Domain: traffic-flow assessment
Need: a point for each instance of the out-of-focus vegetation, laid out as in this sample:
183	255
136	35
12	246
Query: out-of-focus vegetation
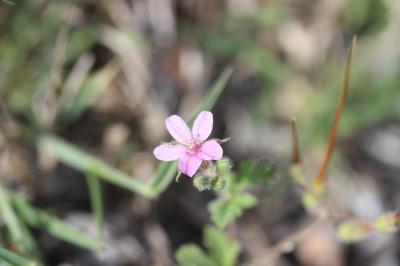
85	87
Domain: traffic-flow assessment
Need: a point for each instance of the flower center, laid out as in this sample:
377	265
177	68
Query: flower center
194	146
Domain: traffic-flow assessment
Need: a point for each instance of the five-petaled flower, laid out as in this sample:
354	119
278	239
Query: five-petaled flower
192	147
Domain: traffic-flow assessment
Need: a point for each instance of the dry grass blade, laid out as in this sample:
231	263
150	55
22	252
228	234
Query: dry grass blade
296	156
320	178
45	103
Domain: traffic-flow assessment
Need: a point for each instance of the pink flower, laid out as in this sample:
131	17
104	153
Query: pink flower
192	146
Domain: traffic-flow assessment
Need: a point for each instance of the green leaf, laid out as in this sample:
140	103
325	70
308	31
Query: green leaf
96	201
19	234
251	173
81	39
223	250
42	220
78	159
224	212
245	200
212	96
15	259
192	255
165	173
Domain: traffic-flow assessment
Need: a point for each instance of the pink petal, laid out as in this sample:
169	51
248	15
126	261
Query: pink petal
178	129
202	126
210	150
188	164
169	152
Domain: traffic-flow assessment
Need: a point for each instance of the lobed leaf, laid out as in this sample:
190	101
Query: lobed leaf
251	173
192	255
223	250
224	212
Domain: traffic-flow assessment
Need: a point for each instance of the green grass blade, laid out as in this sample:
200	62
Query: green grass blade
14	259
78	159
213	94
9	2
5	263
20	235
54	226
96	201
165	173
10	219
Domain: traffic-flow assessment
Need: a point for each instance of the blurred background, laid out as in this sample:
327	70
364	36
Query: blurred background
104	75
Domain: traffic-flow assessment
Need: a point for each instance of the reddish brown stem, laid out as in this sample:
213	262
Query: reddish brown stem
320	178
296	156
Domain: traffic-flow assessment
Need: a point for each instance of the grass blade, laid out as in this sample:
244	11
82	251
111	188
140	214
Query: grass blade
96	201
9	2
213	94
19	234
42	220
15	259
165	172
78	159
10	219
320	178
